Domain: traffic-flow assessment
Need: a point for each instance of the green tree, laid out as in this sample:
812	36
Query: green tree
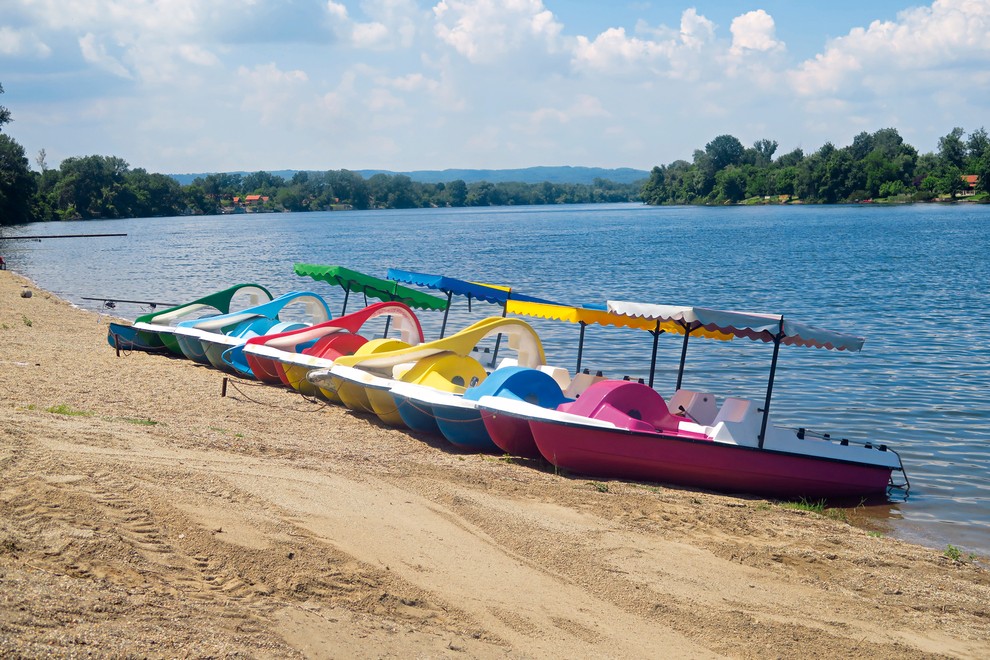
730	184
17	184
198	202
150	195
978	144
222	185
5	117
261	183
457	192
765	150
952	149
90	187
791	158
655	190
723	151
482	193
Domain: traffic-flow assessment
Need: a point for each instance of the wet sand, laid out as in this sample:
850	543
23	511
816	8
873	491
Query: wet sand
142	514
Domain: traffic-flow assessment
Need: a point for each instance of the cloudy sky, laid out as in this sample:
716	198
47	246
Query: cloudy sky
220	85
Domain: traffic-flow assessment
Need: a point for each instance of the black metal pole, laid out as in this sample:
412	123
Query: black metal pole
773	372
680	370
347	294
580	347
132	302
498	339
40	236
446	310
388	322
653	360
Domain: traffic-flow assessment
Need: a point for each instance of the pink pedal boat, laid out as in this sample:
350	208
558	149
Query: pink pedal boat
626	430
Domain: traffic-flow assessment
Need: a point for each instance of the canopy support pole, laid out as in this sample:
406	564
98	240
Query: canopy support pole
388	322
773	372
680	370
498	339
580	348
653	360
446	310
347	294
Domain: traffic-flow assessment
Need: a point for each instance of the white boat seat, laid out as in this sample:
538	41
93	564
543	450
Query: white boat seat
701	407
738	421
560	375
580	383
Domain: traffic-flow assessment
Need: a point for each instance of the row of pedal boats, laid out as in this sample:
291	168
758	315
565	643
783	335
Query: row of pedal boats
517	404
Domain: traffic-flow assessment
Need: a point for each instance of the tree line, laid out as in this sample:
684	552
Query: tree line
876	166
91	187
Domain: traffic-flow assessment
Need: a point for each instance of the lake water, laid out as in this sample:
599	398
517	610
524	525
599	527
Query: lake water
913	280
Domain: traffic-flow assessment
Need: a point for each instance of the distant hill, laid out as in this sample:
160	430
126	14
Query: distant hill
561	174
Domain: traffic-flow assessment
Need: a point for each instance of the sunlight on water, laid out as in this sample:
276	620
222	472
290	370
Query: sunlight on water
912	280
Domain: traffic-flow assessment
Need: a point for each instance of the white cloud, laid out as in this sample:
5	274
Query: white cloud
337	10
380	100
369	35
275	95
584	106
676	54
485	31
392	25
197	55
754	31
951	39
16	42
414	82
94	52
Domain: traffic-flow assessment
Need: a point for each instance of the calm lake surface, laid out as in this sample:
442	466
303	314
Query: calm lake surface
913	280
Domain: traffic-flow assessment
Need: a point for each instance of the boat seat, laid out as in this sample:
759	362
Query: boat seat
738	421
699	407
580	383
507	362
560	375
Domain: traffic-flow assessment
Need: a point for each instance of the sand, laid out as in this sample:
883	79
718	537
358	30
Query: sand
143	514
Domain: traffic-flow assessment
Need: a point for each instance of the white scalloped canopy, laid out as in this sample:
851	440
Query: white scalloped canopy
756	326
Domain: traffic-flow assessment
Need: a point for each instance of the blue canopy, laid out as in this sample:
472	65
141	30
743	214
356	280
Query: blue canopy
492	293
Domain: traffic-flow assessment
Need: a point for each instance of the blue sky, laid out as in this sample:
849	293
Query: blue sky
221	85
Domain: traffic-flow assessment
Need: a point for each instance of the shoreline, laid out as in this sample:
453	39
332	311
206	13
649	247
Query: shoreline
144	514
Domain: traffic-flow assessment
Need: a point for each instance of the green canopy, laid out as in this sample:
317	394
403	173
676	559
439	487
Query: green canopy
374	287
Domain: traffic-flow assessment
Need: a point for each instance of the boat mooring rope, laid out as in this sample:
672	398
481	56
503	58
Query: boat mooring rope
118	341
237	384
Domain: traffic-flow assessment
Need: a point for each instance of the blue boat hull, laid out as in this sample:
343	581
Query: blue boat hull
464	428
417	416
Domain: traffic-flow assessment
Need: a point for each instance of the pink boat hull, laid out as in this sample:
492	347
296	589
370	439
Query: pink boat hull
510	434
642	456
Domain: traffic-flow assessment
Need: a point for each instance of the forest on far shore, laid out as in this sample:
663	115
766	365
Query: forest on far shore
877	166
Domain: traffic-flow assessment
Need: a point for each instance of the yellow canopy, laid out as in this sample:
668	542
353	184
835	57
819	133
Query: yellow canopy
588	316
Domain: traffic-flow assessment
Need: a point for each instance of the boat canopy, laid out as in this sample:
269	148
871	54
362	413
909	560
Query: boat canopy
374	287
762	327
220	301
769	328
491	293
601	315
597	315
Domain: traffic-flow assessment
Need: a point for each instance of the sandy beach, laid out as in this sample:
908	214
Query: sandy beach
143	514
